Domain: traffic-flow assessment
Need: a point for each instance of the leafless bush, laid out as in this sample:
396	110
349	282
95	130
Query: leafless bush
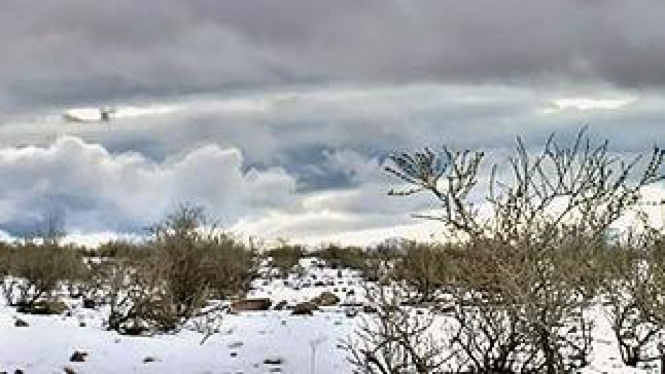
395	339
511	312
199	259
184	265
284	257
423	267
338	256
209	322
35	271
634	299
520	299
137	298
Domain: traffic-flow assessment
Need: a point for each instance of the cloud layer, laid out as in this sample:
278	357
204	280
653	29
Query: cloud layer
73	51
277	116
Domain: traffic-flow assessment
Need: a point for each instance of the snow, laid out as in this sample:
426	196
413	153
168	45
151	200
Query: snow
46	346
300	344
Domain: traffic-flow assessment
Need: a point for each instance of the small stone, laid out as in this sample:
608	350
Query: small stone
235	345
304	309
368	309
89	303
247	305
326	298
281	305
273	361
78	356
21	323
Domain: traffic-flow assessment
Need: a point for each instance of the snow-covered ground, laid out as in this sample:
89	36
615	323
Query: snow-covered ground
245	343
271	341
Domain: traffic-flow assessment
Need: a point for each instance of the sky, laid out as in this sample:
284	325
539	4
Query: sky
277	117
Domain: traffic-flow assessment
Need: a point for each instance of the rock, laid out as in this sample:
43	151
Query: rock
235	345
444	309
304	309
133	328
45	307
351	312
149	359
89	303
245	305
281	305
368	309
69	370
21	323
78	356
273	361
326	299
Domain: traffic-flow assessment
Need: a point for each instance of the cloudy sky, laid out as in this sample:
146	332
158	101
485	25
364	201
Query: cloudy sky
277	116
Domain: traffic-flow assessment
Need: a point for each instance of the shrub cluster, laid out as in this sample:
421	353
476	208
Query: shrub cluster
518	283
151	286
284	257
33	273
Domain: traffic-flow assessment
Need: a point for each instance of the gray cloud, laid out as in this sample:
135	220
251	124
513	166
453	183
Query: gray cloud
303	131
75	51
278	115
294	163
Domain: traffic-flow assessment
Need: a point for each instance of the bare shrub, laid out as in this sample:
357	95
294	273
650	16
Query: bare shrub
284	257
395	339
209	322
232	265
184	264
634	299
198	260
519	299
423	268
135	295
37	271
337	256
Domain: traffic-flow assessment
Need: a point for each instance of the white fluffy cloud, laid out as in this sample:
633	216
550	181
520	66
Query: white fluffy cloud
93	189
96	191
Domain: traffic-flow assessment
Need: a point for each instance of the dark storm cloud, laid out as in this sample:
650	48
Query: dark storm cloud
74	51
